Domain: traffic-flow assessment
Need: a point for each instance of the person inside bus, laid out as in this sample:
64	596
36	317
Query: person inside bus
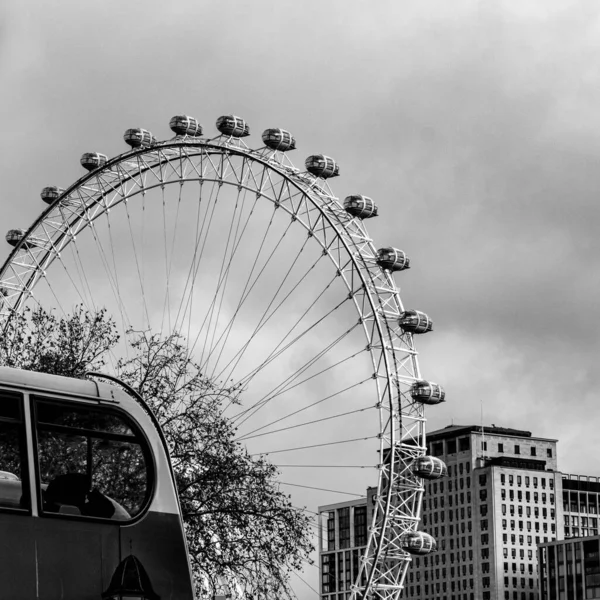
71	489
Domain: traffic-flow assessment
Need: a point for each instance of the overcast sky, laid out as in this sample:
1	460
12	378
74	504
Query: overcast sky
474	125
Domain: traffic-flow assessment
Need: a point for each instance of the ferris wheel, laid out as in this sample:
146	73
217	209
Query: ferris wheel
277	288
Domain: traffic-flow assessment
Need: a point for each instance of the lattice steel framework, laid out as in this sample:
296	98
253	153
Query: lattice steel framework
309	202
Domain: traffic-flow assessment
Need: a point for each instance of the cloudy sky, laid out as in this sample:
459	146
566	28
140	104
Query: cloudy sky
474	125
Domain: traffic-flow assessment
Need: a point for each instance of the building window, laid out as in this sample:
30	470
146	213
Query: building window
464	444
14	493
502	478
484	445
331	531
517	449
500	447
533	451
344	527
549	452
451	446
360	526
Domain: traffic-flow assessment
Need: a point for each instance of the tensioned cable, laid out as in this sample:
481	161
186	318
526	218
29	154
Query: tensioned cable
276	352
246	224
237	239
102	254
339	415
224	277
112	248
260	324
280	393
310	487
246	292
306	582
221	286
327	466
264	400
212	199
372	437
137	262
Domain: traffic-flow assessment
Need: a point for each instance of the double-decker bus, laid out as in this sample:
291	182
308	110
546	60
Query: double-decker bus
88	503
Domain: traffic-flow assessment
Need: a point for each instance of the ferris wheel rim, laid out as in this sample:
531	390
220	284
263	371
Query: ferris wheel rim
309	192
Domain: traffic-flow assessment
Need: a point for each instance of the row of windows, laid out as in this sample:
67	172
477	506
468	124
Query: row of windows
344	537
429	560
89	461
515	582
521	567
535	499
451	485
519	479
462	444
513	553
416	591
577	532
528	511
443	573
520	497
581	502
442	587
340	570
459	499
536	525
517	449
521	542
459	513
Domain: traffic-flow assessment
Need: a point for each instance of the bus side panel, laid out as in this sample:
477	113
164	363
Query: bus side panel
76	559
17	557
158	541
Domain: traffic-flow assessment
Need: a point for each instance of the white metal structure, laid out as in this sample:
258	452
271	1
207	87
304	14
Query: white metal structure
275	286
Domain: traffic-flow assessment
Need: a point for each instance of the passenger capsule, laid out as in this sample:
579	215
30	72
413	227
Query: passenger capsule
232	125
51	193
417	542
392	259
279	139
137	138
322	166
429	467
359	206
93	160
415	321
427	392
14	236
184	125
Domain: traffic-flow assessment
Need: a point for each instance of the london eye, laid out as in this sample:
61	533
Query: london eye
278	290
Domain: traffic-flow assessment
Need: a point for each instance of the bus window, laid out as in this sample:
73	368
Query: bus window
92	462
13	463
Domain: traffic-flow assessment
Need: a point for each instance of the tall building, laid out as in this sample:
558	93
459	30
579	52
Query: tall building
497	503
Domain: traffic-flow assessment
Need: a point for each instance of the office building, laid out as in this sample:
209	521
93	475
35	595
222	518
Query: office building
343	539
570	569
498	502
